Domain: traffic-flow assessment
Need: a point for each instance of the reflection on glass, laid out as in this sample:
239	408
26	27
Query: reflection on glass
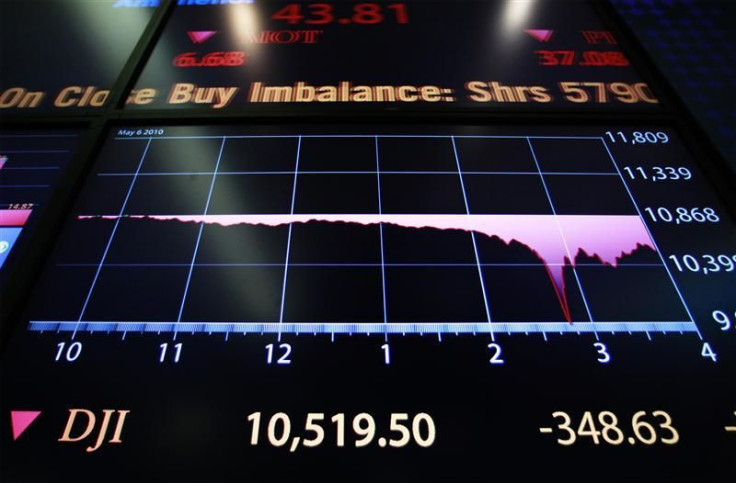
515	15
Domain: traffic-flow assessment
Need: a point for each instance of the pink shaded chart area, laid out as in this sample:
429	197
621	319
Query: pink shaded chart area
556	240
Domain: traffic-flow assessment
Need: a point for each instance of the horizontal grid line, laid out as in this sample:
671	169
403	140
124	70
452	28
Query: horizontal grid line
378	264
145	216
357	136
291	173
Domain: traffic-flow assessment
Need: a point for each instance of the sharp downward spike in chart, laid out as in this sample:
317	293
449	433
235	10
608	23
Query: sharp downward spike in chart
556	240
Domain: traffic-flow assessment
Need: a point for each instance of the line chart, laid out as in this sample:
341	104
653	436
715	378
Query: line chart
361	234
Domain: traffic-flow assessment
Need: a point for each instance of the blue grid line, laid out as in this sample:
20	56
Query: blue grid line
380	230
288	240
453	173
309	136
112	236
388	264
199	235
472	236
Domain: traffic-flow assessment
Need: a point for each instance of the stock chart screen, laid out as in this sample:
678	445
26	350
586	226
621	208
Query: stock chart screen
64	55
512	54
382	302
32	163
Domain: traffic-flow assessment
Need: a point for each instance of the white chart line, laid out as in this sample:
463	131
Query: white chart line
288	241
199	235
472	235
380	230
109	241
294	136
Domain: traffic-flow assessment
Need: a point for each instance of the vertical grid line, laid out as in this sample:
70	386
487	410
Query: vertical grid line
564	240
288	241
472	236
641	218
380	228
199	235
112	236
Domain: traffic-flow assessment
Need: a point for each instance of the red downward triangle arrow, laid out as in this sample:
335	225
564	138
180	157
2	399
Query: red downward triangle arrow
541	35
199	36
20	420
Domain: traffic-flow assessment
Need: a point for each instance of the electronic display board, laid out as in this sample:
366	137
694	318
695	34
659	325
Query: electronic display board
31	165
511	54
64	55
382	302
